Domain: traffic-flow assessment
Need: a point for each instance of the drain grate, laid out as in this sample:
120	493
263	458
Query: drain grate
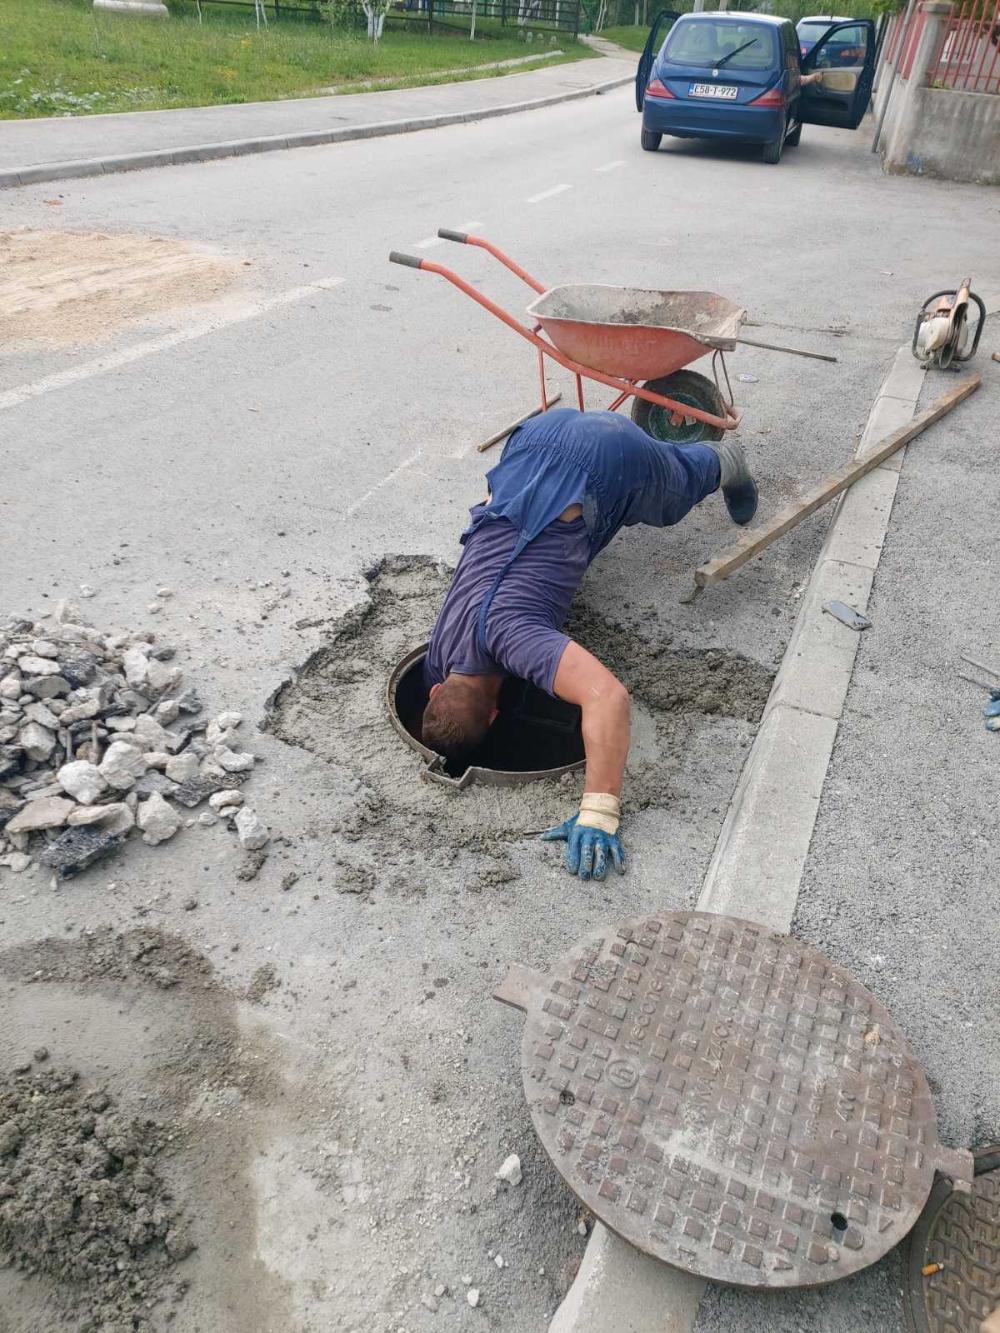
961	1233
728	1100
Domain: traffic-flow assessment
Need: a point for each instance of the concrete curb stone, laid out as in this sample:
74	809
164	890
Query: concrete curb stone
165	157
758	861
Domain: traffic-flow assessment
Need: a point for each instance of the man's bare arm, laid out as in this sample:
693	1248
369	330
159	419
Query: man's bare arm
604	701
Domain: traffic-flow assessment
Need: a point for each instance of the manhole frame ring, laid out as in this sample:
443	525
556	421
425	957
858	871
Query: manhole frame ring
433	770
914	1249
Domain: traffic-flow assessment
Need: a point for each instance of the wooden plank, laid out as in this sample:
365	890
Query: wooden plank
721	566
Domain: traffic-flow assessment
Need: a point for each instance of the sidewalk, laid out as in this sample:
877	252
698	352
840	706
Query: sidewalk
899	885
58	147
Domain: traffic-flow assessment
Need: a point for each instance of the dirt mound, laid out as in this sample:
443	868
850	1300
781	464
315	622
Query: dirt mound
143	955
81	1200
335	707
77	287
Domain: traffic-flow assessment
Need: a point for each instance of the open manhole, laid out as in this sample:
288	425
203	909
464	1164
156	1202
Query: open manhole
729	1100
953	1264
534	736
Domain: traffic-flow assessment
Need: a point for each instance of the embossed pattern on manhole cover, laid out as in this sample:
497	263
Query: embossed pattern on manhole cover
728	1100
958	1237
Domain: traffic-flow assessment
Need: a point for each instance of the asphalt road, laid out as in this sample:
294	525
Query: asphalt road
326	418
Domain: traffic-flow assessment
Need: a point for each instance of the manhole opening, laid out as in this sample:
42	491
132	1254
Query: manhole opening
533	734
838	1221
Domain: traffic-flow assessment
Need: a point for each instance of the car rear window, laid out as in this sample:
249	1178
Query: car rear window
707	42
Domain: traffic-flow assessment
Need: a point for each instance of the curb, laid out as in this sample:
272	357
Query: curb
170	157
762	848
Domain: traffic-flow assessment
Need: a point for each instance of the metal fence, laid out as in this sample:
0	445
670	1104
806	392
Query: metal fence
970	58
492	16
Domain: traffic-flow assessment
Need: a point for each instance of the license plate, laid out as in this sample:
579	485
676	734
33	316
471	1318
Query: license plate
726	91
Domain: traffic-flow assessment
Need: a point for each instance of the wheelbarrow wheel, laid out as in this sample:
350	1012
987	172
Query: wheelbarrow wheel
684	386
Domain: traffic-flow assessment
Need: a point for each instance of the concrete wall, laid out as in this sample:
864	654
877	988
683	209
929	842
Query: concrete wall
937	132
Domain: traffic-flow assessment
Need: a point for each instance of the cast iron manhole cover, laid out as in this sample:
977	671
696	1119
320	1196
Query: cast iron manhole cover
728	1100
953	1278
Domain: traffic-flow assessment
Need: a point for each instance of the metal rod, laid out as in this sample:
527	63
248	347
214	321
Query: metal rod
509	429
981	666
795	351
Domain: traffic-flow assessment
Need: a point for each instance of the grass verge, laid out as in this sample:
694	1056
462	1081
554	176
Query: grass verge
63	58
629	35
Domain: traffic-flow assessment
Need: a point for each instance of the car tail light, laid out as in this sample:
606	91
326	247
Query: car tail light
773	97
658	89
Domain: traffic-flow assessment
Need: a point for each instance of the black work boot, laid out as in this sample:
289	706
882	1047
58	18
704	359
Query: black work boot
739	490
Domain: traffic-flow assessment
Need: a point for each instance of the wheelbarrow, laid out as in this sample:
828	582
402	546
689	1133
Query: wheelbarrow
635	341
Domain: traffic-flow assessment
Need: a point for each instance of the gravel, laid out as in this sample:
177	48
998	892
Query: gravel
87	741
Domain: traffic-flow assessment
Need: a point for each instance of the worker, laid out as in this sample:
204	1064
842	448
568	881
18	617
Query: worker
566	482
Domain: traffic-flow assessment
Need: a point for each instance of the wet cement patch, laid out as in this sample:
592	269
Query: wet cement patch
335	707
129	1171
82	1200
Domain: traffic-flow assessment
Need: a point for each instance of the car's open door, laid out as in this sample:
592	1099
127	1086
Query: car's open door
845	59
657	33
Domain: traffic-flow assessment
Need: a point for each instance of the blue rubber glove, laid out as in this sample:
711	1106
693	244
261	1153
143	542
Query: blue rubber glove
587	849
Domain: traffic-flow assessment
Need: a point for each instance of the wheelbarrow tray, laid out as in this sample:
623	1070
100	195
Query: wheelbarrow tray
635	333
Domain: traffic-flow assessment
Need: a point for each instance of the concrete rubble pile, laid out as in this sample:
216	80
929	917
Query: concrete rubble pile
99	740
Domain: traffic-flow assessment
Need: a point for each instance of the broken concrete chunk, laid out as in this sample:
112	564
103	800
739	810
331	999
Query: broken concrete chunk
233	761
115	818
158	820
222	800
78	848
152	781
510	1170
229	721
250	829
122	765
180	767
10	687
16	861
37	666
44	648
36	741
189	702
216	735
157	759
80	712
135	663
150	735
166	711
82	780
160	677
47	687
48	812
40	713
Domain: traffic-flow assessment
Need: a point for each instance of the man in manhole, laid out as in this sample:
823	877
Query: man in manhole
566	483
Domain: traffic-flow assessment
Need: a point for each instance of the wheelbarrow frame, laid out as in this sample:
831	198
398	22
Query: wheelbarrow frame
545	348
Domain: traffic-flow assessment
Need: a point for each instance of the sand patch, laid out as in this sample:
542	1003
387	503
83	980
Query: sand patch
67	287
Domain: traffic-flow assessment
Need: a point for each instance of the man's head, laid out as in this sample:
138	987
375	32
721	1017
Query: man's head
458	714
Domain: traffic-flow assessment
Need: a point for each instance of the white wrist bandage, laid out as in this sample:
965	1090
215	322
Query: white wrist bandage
601	810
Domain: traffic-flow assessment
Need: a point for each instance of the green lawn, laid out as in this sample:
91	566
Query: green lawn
628	35
60	57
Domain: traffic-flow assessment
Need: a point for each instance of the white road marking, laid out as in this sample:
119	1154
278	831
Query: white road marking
547	194
407	462
430	241
127	355
610	166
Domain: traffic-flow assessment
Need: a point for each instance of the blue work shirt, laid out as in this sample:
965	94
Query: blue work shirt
605	463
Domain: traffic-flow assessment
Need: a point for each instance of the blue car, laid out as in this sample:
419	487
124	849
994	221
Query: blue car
739	77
